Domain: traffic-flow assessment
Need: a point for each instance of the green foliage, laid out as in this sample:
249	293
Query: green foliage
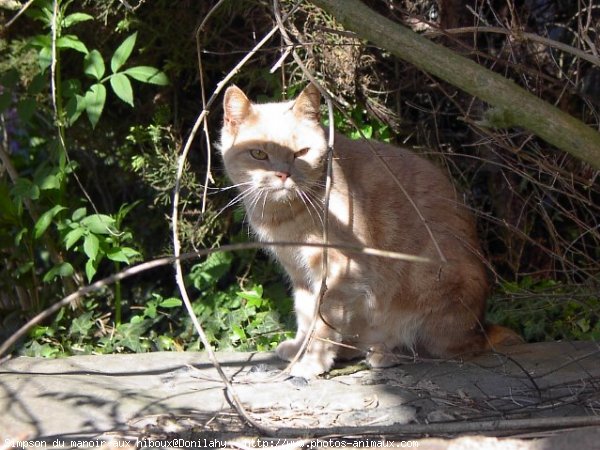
547	310
233	318
361	125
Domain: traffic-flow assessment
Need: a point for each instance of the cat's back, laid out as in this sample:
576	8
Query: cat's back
359	165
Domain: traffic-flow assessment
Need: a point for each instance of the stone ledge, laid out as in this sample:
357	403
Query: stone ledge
148	394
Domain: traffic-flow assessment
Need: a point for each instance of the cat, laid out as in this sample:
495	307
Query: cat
276	155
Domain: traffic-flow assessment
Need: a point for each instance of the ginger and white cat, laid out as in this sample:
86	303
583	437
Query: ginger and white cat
275	153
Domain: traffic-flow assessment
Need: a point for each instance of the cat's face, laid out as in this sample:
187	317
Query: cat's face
274	152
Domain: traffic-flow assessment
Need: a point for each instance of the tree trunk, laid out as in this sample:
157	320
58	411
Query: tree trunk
512	105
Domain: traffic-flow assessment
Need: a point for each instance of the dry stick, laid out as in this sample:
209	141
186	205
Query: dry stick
446	427
142	267
519	35
328	185
231	395
230	392
208	176
21	11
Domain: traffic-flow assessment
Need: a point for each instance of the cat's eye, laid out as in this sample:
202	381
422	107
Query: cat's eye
301	153
258	154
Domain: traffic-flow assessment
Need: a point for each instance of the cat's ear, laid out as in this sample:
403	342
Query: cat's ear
236	107
308	103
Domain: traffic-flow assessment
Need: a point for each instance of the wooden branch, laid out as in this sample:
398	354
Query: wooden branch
515	105
456	427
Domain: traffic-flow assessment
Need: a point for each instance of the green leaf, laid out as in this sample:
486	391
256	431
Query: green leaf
71	41
90	269
91	245
62	270
49	181
41	41
82	324
99	223
75	107
75	18
44	58
79	214
94	102
117	255
93	65
122	53
73	236
147	74
171	302
122	87
45	220
24	188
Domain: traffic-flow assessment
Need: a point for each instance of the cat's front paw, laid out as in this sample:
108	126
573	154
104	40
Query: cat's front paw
288	349
309	368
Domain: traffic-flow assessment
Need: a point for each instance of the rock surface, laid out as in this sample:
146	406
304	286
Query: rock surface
526	390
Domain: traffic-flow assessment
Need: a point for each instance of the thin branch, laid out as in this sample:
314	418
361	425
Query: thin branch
328	186
519	35
21	11
544	423
232	396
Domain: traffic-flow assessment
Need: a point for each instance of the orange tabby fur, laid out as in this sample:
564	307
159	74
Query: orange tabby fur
275	153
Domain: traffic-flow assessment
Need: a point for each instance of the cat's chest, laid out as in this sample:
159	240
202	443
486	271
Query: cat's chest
302	263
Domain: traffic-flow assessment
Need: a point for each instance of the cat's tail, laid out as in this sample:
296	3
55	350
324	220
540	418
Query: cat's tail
499	336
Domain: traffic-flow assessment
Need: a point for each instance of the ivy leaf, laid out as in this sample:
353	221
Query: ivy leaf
122	87
91	245
73	42
75	18
93	65
45	220
122	53
94	102
147	74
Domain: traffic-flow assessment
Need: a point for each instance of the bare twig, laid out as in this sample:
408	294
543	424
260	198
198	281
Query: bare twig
21	11
543	423
328	186
519	35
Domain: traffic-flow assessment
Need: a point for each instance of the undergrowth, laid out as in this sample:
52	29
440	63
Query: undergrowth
88	168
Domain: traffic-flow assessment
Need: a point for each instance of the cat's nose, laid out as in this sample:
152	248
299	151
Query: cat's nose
282	175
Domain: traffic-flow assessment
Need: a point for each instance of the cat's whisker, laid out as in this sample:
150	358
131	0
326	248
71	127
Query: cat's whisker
254	201
238	198
309	203
228	188
264	204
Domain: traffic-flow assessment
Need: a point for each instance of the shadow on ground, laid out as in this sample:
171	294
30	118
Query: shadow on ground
530	390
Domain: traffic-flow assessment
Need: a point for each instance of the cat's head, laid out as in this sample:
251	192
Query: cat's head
278	149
